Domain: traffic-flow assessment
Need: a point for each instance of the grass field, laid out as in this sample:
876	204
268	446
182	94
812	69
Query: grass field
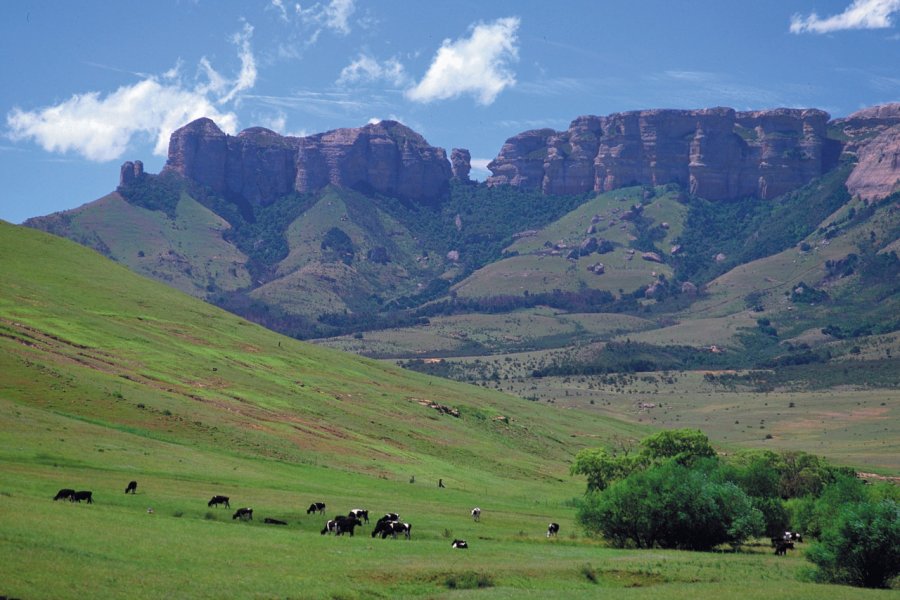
106	377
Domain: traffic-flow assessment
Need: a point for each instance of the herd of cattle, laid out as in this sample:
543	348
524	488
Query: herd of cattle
388	525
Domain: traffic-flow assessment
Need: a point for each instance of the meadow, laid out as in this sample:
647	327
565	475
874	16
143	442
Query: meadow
106	377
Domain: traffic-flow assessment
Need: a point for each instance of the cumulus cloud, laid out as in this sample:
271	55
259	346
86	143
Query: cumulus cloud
476	65
861	14
101	128
366	68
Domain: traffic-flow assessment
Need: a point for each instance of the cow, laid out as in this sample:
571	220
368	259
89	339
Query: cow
389	517
316	507
552	529
244	514
460	545
476	514
345	525
85	495
392	528
782	548
132	487
330	524
360	514
64	494
217	500
270	521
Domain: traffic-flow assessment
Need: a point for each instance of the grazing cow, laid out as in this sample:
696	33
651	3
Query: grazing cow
217	500
389	517
460	544
330	524
64	494
552	529
360	514
132	487
244	514
273	521
344	525
79	496
392	528
476	514
782	548
316	507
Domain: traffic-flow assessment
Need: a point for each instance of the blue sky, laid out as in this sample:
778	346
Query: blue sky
86	85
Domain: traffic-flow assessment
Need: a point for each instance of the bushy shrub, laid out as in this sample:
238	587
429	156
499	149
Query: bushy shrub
671	506
861	546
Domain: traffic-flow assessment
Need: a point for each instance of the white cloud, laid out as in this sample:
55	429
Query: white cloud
365	68
861	14
480	172
101	128
477	65
337	15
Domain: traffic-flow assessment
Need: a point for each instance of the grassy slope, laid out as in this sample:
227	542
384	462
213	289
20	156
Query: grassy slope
107	377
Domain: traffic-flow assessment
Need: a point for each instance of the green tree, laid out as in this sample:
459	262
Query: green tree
601	468
671	506
862	546
683	445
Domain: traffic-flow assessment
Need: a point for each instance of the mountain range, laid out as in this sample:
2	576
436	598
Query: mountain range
660	216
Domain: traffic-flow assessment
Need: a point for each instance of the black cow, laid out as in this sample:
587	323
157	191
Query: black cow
132	487
360	514
782	548
244	514
273	521
85	495
217	500
316	507
64	494
342	525
552	529
460	544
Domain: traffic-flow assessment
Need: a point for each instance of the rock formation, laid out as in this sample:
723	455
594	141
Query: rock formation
873	135
717	152
258	165
460	163
130	172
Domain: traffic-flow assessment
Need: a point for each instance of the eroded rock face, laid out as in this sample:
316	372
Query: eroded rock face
460	163
877	174
717	152
873	136
258	165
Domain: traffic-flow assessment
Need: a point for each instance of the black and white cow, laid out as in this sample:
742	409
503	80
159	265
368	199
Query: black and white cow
476	514
217	500
271	521
64	494
85	495
460	545
244	514
132	487
392	528
330	524
316	507
552	529
361	514
389	517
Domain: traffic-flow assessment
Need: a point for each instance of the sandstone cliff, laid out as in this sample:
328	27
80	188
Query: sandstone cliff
258	165
873	136
718	153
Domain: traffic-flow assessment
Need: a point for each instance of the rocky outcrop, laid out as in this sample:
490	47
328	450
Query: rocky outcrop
873	136
718	153
130	172
460	163
258	165
877	172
